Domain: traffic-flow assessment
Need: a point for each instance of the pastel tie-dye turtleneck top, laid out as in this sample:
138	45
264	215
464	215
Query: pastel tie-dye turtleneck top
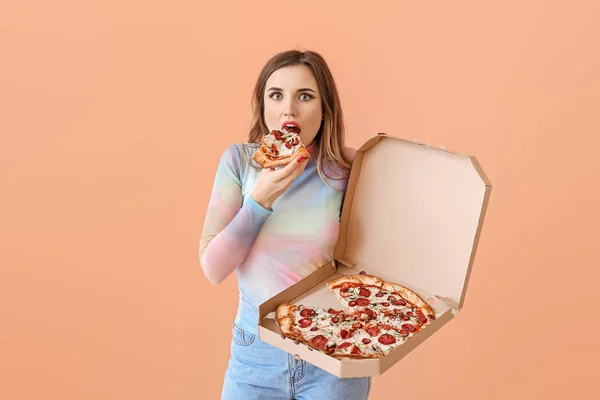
269	249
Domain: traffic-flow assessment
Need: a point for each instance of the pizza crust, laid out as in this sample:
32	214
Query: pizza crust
266	162
352	280
285	319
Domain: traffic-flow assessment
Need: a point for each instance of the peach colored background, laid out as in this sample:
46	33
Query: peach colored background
113	116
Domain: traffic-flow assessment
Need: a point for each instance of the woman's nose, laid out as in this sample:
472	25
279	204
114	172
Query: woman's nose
289	108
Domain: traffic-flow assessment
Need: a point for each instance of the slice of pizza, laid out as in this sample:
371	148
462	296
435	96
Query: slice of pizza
378	338
313	326
279	147
355	292
371	297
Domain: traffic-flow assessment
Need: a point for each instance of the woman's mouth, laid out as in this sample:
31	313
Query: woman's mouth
291	126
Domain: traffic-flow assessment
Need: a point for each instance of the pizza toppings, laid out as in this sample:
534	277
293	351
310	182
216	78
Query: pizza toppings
305	322
362	302
373	331
386	339
279	147
307	312
319	341
369	312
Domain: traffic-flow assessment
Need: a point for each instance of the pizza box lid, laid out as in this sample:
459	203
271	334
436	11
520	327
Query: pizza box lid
413	213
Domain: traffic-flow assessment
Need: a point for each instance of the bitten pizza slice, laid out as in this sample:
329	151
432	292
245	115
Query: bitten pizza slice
280	147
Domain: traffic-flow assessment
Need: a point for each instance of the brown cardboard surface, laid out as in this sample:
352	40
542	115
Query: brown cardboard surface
412	215
318	294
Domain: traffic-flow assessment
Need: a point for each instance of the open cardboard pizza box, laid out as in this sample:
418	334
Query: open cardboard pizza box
412	215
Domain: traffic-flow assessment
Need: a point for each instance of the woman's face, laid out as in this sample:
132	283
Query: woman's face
292	95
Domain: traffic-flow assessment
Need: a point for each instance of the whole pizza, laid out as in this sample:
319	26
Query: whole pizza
375	317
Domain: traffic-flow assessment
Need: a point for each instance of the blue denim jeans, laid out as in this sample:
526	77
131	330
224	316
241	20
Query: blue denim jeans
257	370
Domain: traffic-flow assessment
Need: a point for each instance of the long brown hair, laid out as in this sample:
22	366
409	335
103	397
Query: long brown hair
330	139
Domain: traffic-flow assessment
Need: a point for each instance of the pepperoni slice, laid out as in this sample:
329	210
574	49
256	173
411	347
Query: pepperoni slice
409	327
410	314
386	304
362	302
386	339
314	328
364	292
380	294
373	331
355	350
386	326
405	318
351	303
402	302
366	340
345	292
344	334
392	299
344	345
422	318
305	322
277	134
335	320
307	312
369	312
403	332
356	325
397	311
332	311
319	341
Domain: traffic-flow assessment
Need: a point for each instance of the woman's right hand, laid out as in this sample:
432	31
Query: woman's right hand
272	183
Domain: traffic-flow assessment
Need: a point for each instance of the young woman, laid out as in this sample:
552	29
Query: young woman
276	226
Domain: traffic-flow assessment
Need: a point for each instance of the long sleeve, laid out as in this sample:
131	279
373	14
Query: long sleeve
231	225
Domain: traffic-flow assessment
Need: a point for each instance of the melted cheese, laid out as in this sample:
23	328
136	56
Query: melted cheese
270	140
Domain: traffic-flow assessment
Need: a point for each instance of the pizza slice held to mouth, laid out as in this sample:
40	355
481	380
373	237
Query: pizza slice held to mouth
280	147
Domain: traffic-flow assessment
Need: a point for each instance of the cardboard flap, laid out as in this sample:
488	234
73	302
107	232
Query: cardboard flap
414	212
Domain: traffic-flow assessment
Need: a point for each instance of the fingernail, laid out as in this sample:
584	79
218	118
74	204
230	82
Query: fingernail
299	159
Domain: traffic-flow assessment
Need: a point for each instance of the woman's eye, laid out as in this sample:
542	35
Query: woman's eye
275	94
306	98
